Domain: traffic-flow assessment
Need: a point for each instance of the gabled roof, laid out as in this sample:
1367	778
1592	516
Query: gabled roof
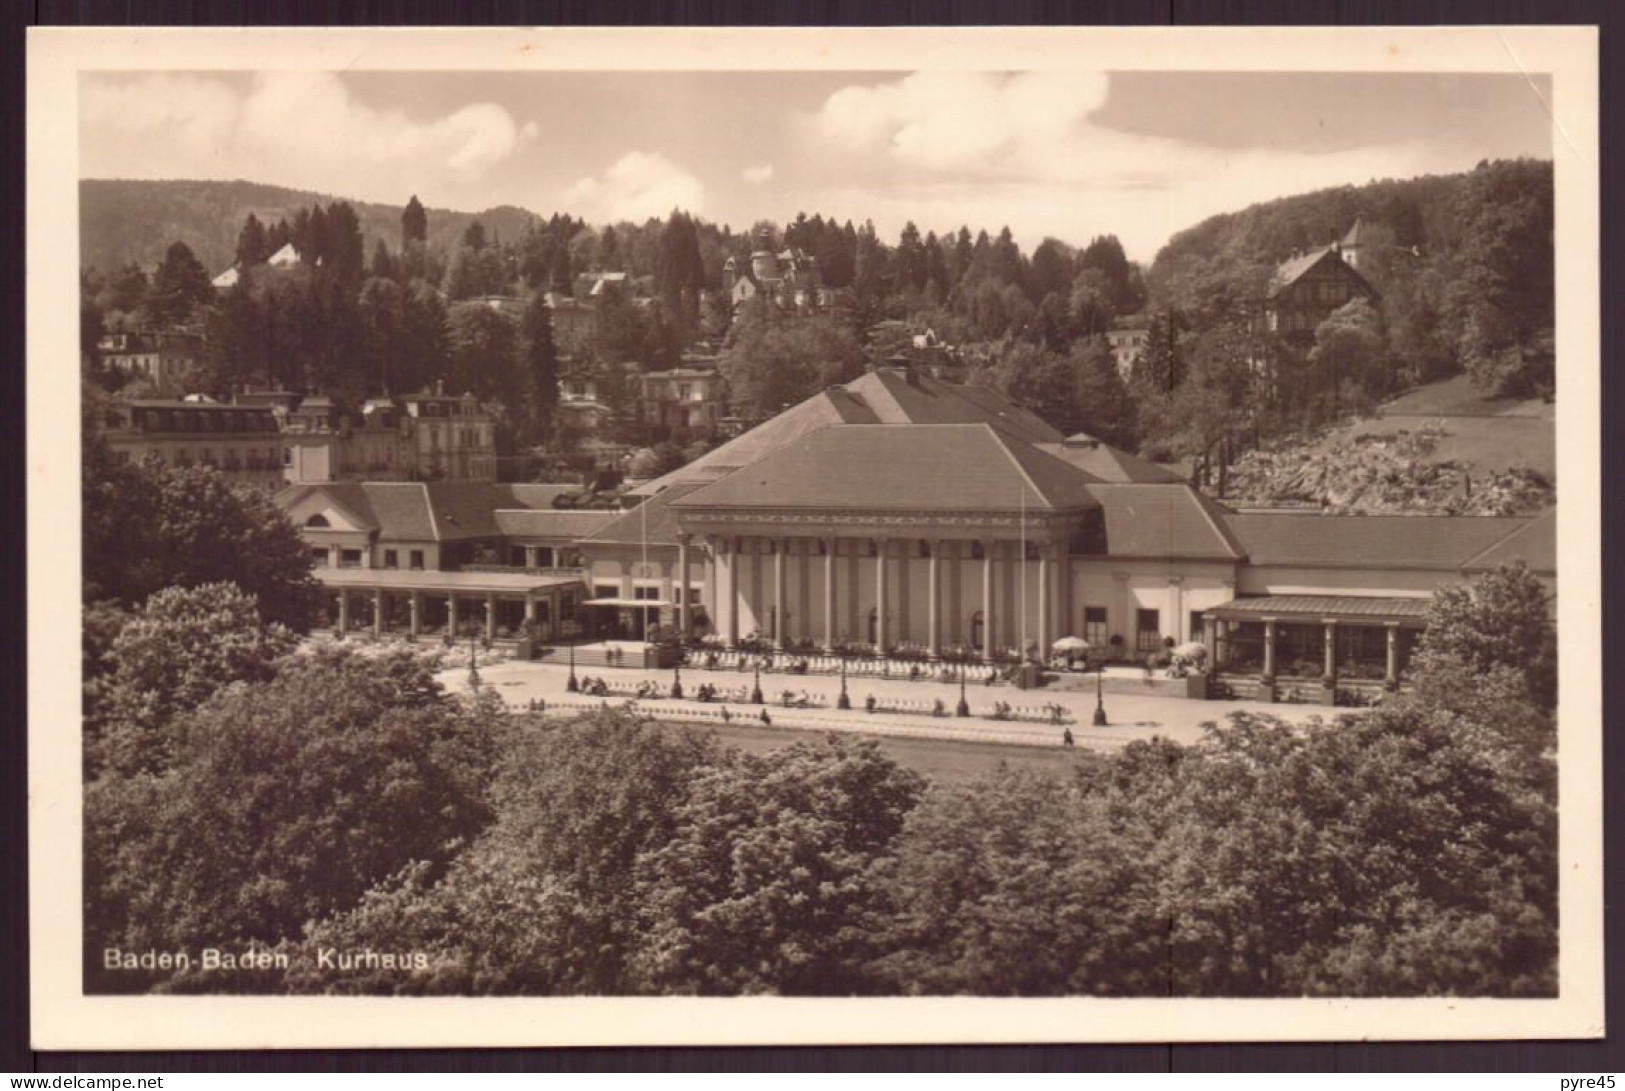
435	511
1352	238
652	521
1321	607
552	523
917	398
1292	270
285	256
887	468
831	406
1427	542
1164	521
227	279
1534	543
886	396
1110	464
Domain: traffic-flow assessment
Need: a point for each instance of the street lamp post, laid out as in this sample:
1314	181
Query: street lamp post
677	682
756	687
473	665
569	630
843	702
964	705
1100	700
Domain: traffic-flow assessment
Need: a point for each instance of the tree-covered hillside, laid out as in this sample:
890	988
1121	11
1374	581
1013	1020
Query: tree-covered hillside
135	221
1464	263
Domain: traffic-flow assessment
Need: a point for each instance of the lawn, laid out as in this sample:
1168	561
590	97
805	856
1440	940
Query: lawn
943	761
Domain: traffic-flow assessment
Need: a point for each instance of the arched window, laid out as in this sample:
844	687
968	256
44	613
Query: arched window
317	520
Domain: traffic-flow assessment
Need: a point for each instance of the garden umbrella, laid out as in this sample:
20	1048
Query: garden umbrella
1070	644
1192	649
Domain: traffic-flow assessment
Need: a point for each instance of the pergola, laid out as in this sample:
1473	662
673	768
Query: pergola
424	592
1340	624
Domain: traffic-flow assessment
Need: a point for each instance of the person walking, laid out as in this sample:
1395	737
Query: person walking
1066	738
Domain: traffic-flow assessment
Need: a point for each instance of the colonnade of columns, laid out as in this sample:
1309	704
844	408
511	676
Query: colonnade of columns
1222	637
891	568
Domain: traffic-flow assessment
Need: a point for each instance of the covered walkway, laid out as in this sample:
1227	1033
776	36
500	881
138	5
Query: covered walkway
1333	638
415	603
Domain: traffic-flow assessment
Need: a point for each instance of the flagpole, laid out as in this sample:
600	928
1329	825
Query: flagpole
1021	652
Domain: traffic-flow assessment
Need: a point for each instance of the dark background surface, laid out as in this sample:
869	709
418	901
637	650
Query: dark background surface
1585	1058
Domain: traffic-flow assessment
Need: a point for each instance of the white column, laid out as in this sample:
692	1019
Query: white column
682	584
414	625
880	595
490	617
1391	674
781	631
1045	587
530	607
933	593
1176	603
451	615
344	612
1331	651
378	613
831	630
733	592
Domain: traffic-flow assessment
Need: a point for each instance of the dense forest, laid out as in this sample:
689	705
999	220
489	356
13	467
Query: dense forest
123	221
1463	267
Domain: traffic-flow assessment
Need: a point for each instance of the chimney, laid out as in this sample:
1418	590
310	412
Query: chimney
900	365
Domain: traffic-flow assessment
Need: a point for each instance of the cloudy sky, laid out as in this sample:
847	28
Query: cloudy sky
1072	155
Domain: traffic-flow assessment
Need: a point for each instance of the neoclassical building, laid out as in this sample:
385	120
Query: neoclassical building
899	511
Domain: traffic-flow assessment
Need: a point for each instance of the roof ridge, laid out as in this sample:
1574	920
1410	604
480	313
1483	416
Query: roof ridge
1205	504
1524	523
1004	445
428	503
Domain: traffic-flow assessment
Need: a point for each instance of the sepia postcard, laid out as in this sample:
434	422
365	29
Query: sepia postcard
577	537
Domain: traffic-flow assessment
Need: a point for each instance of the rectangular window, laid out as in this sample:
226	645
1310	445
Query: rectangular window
1094	626
646	594
417	560
694	596
349	558
606	590
1198	628
318	557
567	606
391	559
1148	630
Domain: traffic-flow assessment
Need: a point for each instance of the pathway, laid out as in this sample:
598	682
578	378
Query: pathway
1130	716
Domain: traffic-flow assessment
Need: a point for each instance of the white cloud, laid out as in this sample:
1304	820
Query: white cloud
757	175
637	186
946	148
960	119
296	128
